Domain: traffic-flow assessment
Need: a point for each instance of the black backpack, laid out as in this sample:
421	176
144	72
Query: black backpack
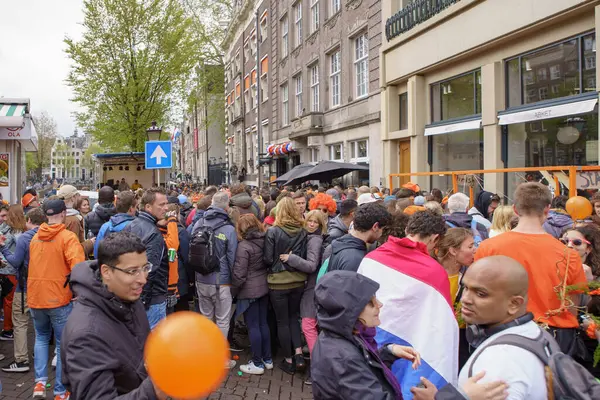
203	257
567	379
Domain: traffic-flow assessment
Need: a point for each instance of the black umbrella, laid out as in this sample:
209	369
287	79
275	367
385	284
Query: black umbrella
293	173
326	171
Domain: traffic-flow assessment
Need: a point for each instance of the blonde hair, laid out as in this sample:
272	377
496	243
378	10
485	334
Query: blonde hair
287	213
320	217
434	207
502	217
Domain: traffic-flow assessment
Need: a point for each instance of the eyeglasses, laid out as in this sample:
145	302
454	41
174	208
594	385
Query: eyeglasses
574	242
135	271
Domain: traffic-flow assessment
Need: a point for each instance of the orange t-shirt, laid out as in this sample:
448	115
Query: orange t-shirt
545	259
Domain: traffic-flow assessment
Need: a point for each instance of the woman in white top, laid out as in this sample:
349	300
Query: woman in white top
501	220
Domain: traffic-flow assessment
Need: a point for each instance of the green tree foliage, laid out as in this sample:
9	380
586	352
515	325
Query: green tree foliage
133	63
45	127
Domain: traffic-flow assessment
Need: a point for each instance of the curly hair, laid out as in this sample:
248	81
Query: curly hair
426	223
397	227
322	199
591	233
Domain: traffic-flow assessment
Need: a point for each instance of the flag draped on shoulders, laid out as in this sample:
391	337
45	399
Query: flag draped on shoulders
417	311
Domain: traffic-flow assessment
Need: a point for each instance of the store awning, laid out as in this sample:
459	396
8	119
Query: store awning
12	114
442	129
576	106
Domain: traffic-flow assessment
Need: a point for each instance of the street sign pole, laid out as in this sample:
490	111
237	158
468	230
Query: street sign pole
158	155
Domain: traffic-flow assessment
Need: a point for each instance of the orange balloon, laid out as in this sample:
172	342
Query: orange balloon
185	355
579	207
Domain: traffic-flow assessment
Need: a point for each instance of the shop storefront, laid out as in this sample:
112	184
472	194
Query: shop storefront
17	136
455	138
552	114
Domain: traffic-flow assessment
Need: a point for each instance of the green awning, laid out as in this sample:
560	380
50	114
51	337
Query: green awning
11	114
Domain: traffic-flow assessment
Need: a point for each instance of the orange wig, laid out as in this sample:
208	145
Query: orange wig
322	199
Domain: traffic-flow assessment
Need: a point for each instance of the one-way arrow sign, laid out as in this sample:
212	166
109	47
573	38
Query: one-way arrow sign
158	154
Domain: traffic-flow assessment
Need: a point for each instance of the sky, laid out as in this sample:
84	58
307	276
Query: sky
33	63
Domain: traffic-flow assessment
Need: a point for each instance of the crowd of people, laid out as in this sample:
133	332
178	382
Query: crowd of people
366	292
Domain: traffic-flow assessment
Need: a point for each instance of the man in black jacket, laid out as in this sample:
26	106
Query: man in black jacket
103	340
339	226
104	210
153	208
347	252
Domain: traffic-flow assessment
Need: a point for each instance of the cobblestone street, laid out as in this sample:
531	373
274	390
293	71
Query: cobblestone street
273	385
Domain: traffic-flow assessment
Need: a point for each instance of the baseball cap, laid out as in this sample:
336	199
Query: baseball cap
366	198
66	192
54	207
412	186
27	199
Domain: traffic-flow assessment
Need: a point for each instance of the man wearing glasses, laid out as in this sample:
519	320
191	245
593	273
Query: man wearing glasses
104	338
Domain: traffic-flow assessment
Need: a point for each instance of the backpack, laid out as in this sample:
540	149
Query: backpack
568	380
323	269
476	235
203	257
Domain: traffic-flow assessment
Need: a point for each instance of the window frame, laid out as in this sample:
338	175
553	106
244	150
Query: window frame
354	147
314	16
519	57
298	24
298	95
332	151
314	88
285	105
361	65
336	6
285	37
402	119
476	78
335	75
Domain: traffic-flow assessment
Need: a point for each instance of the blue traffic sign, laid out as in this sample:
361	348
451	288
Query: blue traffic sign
159	154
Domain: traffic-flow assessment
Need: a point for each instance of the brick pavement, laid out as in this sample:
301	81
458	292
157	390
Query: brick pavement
273	385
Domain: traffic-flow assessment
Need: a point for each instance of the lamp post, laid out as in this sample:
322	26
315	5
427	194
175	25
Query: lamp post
153	134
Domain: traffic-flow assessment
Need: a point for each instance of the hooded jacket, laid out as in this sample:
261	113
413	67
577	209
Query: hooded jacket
74	223
53	253
336	229
10	243
279	241
342	367
117	223
244	203
103	340
463	220
98	217
185	209
480	209
249	271
345	253
557	222
197	215
226	245
155	291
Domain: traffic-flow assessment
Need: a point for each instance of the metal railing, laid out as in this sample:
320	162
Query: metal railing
413	14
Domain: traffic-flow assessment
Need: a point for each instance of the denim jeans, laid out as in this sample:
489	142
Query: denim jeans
44	321
156	313
258	330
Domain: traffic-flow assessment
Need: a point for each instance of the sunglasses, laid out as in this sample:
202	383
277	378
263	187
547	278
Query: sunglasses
574	242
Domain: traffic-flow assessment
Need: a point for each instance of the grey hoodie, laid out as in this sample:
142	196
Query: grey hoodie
336	229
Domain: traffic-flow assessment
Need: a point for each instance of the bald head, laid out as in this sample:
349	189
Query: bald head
495	291
505	272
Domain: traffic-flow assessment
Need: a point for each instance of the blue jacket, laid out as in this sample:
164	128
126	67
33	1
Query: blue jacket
226	245
116	223
20	258
183	253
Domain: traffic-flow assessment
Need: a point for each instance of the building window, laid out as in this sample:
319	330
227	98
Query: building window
314	15
263	27
570	62
361	65
284	37
314	88
336	152
541	74
359	151
335	6
335	79
299	109
403	111
314	154
298	23
554	72
285	109
264	88
236	63
247	104
247	51
456	97
253	43
253	89
456	151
